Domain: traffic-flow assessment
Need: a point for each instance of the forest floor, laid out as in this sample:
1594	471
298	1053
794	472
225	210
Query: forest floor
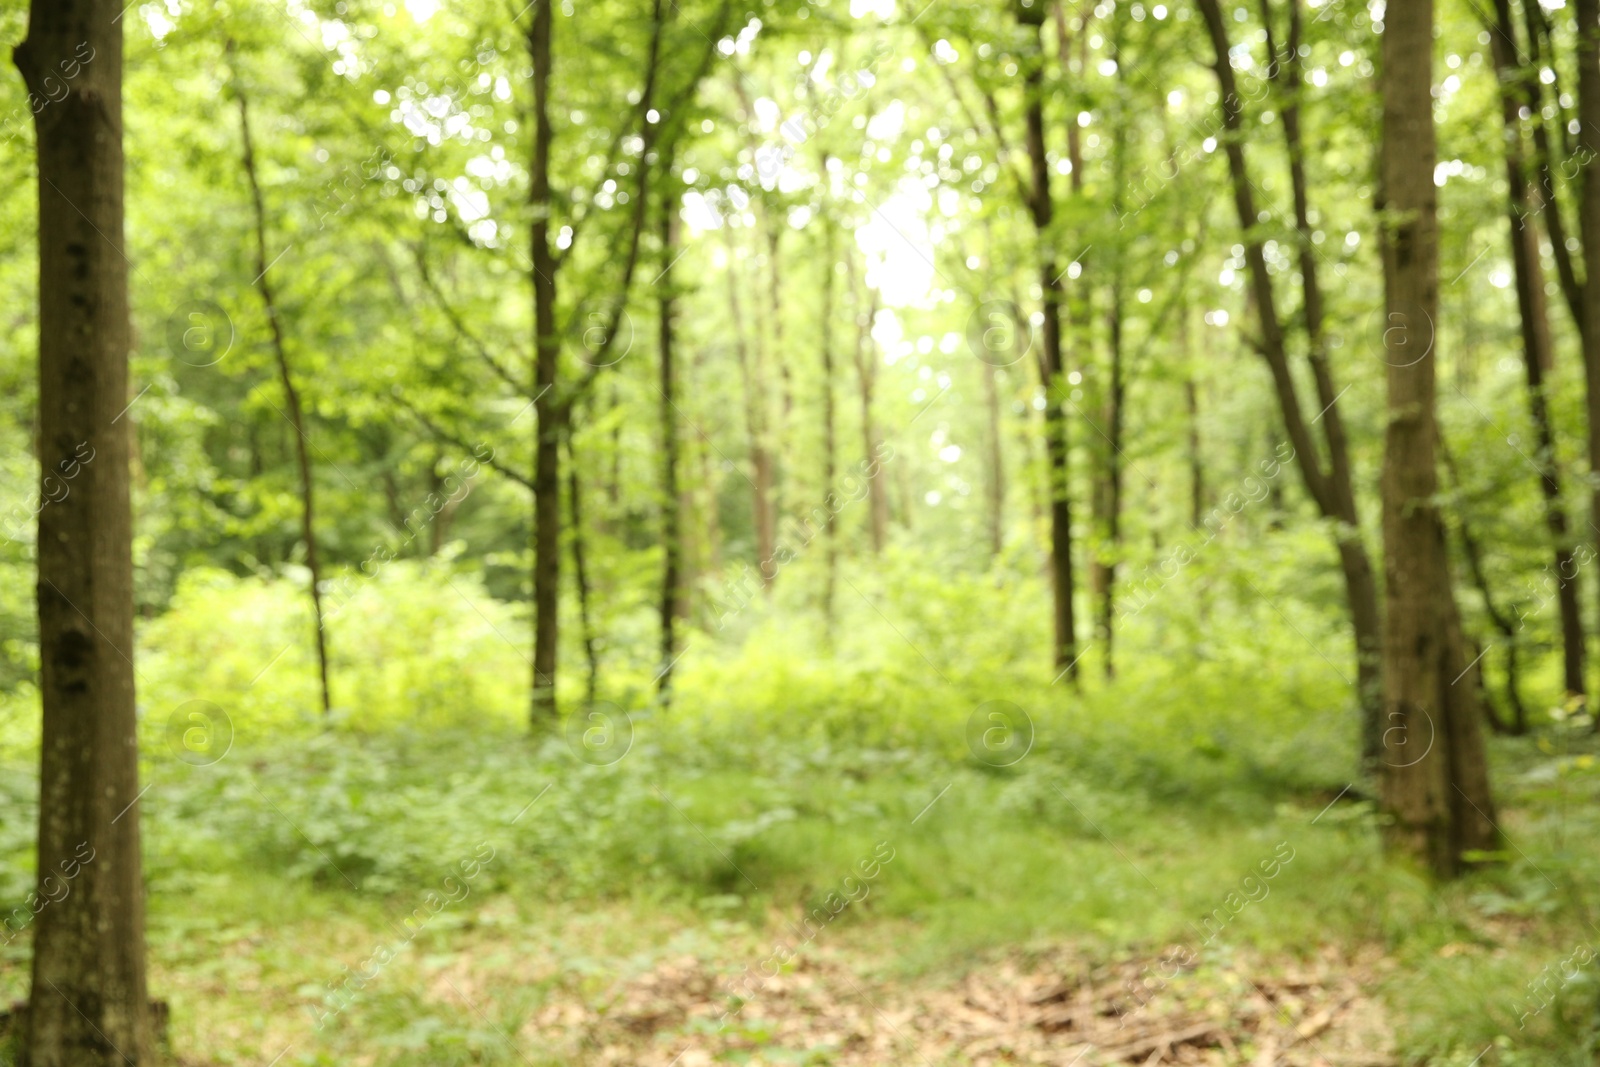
670	1003
756	900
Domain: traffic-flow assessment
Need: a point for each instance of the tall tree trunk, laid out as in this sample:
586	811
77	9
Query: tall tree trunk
1536	346
1042	209
1533	91
755	407
1434	782
580	571
1588	154
1331	489
547	404
866	360
308	529
89	1005
774	229
1191	404
1111	528
996	482
671	542
1507	626
1360	583
829	443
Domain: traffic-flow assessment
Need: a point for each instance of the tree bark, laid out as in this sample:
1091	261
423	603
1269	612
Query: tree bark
1544	157
89	1005
996	482
1588	156
1536	345
580	572
1111	476
1191	405
829	442
755	407
866	361
1507	626
1041	207
1331	490
546	404
1115	394
1434	782
671	518
302	442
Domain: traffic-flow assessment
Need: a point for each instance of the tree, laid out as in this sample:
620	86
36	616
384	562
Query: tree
671	503
1331	487
829	432
1041	207
1536	345
546	404
291	395
1588	159
1438	800
88	1002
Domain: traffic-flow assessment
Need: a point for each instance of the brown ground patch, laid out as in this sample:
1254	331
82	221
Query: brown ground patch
1058	1010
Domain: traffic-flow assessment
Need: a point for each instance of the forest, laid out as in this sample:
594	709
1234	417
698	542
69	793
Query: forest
799	532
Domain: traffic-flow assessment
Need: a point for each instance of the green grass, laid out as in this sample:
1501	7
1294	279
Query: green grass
1140	808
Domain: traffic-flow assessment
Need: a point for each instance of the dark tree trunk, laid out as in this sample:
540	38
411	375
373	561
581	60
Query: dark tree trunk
614	475
302	442
1332	490
866	360
1588	17
1111	476
1536	347
547	403
1111	530
755	408
829	443
1434	782
580	572
1544	157
996	482
775	309
1507	626
1042	209
89	1005
671	519
1191	404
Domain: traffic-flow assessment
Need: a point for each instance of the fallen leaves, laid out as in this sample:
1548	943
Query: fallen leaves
1058	1010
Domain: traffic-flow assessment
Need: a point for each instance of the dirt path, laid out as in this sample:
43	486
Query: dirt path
1059	1010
